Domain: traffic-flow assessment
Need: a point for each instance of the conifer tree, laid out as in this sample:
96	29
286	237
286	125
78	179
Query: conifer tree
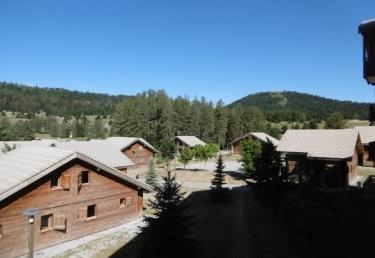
151	177
167	233
219	180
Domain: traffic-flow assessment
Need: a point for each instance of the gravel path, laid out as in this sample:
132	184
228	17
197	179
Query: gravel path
230	166
94	244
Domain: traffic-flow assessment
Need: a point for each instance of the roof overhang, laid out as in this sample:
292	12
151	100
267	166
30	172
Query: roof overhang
148	146
66	160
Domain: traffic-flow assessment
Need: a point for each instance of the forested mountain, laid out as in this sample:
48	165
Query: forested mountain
294	106
158	118
60	102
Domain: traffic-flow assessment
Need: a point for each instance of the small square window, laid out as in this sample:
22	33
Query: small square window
91	211
46	222
1	231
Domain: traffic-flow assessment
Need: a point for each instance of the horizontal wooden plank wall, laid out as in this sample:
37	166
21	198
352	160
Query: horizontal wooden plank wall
139	154
102	190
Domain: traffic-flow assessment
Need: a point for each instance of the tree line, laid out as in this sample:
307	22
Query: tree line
155	116
59	102
152	115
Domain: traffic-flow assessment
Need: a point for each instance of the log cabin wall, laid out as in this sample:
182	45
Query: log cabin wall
236	148
139	154
67	204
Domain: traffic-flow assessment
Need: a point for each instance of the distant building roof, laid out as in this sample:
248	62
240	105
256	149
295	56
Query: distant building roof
191	141
333	144
260	136
122	143
367	133
98	150
26	164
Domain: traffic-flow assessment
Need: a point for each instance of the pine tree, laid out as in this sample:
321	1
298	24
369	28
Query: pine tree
221	123
151	177
167	233
219	180
270	176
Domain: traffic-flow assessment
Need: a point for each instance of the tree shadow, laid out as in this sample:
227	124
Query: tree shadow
212	224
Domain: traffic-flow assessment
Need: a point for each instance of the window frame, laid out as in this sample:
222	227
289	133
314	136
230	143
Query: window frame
1	231
58	181
88	211
49	222
87	173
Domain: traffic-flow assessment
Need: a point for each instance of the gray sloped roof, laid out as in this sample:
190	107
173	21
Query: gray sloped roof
122	143
367	133
191	141
260	136
334	144
98	150
26	164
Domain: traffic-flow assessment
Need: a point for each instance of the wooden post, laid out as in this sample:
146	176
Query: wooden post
30	214
30	236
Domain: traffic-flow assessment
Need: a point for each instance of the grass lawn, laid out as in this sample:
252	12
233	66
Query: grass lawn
366	171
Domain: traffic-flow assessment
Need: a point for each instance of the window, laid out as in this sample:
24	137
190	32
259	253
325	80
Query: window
83	178
46	222
54	181
1	231
122	203
91	211
125	202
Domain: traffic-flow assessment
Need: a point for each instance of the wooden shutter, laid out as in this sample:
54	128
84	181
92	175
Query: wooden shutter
59	222
82	213
65	182
128	201
80	180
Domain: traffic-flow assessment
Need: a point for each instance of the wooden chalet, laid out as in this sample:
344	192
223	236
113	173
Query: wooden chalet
331	157
138	150
74	195
97	149
187	141
260	136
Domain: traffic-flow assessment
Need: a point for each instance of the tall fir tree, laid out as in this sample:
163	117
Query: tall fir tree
219	179
167	233
221	123
151	177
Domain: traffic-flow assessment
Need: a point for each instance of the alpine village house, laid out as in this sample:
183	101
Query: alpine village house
73	195
329	157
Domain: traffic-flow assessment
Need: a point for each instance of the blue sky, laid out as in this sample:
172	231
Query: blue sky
217	49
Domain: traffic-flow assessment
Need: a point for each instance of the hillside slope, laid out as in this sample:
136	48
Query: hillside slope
288	105
61	102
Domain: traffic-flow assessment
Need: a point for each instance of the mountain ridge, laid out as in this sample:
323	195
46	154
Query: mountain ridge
277	105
